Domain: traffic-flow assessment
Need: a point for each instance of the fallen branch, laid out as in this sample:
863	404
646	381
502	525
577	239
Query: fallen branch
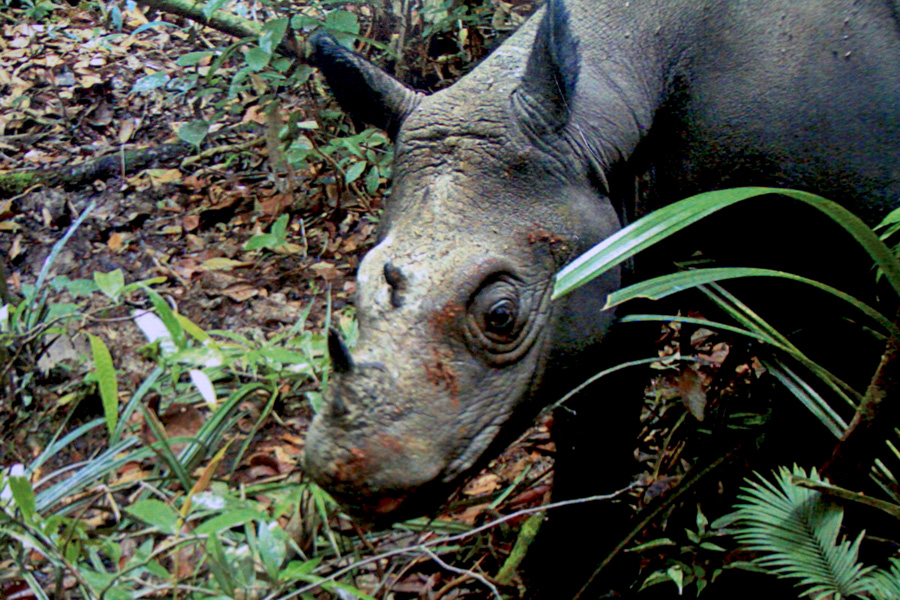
221	20
123	162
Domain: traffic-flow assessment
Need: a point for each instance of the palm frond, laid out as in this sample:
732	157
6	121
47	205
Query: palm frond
885	584
796	530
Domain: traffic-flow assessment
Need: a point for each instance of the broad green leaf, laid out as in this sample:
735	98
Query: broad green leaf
143	283
373	180
193	132
355	170
150	82
106	381
192	58
111	284
228	520
23	496
271	541
156	514
279	227
218	565
195	331
167	316
297	569
677	575
212	6
263	240
151	25
343	25
272	34
257	58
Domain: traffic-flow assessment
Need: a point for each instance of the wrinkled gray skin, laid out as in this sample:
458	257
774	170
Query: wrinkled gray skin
530	160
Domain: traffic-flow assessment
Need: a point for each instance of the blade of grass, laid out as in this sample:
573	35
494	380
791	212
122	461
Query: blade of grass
666	285
666	221
807	396
106	381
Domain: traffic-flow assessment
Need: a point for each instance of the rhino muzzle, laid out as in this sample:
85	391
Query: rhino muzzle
435	378
353	450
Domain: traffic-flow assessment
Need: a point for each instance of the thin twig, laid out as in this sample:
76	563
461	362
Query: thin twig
424	547
464	573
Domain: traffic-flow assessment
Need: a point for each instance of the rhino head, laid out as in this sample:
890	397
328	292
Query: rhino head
460	345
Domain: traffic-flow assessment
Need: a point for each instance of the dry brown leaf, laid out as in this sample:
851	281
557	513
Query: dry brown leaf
275	204
190	222
224	264
242	292
326	270
690	388
484	484
126	130
115	242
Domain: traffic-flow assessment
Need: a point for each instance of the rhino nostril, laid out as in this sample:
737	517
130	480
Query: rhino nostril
397	280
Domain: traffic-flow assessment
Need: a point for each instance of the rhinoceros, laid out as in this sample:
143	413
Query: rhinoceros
531	159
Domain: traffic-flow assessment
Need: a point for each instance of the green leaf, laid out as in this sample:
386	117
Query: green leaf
192	58
655	544
283	355
228	520
677	575
218	565
106	381
167	316
150	82
257	58
212	6
111	284
298	569
263	240
271	541
373	180
343	25
272	34
23	496
279	227
194	132
355	170
156	514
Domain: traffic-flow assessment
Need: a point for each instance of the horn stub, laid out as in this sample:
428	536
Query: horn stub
341	361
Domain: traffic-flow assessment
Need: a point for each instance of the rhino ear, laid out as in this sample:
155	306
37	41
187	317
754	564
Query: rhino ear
543	98
367	93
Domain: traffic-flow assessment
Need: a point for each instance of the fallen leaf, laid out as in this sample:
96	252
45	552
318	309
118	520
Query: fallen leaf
242	292
224	264
326	270
484	484
115	242
190	222
690	389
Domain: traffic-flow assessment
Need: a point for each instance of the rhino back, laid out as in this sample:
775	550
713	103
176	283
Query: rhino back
717	94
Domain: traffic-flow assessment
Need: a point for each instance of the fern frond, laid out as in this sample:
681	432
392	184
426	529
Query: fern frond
796	530
885	585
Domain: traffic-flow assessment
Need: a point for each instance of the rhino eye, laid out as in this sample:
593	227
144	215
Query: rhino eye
494	314
501	318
